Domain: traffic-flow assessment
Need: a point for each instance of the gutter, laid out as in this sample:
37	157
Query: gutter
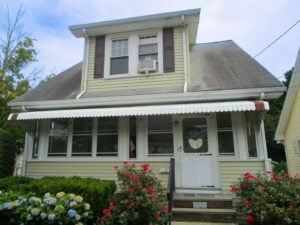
85	62
203	96
184	53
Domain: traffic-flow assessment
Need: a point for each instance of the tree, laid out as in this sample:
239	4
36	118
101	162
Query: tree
276	151
16	53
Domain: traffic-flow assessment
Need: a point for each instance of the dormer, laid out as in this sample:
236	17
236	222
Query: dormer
142	50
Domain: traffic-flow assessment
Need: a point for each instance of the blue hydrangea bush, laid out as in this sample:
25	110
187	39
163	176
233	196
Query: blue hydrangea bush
69	209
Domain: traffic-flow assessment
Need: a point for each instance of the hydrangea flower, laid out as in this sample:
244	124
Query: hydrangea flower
4	205
47	195
72	204
50	201
78	199
77	217
87	206
60	194
29	217
51	216
71	196
43	215
71	213
35	211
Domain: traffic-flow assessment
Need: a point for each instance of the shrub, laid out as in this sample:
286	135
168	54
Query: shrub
59	209
269	198
97	192
140	200
280	167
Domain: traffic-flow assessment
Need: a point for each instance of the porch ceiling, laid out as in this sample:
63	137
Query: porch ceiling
144	110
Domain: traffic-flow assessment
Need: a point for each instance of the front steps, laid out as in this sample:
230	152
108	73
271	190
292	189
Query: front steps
205	209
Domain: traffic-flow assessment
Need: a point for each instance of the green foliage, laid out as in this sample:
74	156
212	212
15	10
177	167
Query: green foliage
29	209
280	167
141	199
269	199
16	53
97	192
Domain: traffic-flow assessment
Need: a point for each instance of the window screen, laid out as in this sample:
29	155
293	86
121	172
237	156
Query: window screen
107	138
58	137
225	135
82	137
119	57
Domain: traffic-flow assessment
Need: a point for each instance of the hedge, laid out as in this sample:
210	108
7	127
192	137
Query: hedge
97	193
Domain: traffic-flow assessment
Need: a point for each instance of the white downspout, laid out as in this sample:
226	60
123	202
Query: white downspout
184	54
85	62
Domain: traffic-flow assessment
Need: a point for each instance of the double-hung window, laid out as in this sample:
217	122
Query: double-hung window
119	57
225	134
82	137
148	53
58	137
160	135
107	140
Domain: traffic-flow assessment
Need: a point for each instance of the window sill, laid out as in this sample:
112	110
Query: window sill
109	77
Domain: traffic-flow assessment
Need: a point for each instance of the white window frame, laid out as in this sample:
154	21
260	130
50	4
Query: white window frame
296	145
133	52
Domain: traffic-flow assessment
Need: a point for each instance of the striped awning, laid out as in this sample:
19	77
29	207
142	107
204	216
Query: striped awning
144	110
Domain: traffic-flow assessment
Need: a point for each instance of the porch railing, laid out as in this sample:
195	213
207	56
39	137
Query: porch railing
171	188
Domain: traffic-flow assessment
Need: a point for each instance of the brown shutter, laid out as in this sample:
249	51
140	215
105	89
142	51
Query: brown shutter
99	57
168	48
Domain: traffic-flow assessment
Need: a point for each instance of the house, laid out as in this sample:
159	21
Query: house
147	92
288	128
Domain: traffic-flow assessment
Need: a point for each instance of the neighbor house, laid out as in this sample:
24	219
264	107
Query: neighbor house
147	92
288	128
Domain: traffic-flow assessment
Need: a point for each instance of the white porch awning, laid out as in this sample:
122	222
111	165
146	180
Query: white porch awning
144	110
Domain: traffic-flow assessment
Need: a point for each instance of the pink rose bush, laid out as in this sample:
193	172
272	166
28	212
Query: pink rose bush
140	200
268	198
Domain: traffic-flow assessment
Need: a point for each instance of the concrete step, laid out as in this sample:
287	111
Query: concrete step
202	203
204	215
200	223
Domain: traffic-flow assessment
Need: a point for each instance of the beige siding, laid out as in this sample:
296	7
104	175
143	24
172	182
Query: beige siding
102	170
232	170
292	134
163	80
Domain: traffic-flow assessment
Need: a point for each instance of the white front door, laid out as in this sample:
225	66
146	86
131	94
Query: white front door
194	154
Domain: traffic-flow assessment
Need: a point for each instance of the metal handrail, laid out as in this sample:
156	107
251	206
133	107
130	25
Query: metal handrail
171	188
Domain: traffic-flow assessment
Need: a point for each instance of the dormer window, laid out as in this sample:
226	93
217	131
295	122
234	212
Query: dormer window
148	54
119	57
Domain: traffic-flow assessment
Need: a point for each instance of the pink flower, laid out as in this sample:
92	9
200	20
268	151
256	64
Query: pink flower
116	167
246	202
151	187
275	177
145	166
133	165
166	209
233	188
286	174
132	203
106	212
248	176
157	216
249	218
125	162
131	190
103	218
126	174
144	190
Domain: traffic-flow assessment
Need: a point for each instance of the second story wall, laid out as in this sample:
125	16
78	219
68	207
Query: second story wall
134	80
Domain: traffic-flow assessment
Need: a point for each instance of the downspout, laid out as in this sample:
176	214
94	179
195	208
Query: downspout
85	62
184	54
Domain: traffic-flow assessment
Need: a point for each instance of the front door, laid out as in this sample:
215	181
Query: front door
195	156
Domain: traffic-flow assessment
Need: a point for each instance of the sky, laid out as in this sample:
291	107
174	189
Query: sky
252	24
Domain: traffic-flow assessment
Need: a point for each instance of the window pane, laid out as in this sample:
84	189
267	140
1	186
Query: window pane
194	135
252	151
57	146
82	145
83	126
148	49
225	135
160	135
119	48
119	65
160	143
132	137
226	145
58	138
35	149
107	145
107	140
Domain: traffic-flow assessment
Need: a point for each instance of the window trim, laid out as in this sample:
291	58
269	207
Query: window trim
133	54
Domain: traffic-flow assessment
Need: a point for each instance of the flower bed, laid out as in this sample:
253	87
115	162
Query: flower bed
269	198
59	209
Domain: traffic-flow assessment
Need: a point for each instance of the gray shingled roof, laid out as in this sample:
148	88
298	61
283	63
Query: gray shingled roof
225	66
65	85
214	66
